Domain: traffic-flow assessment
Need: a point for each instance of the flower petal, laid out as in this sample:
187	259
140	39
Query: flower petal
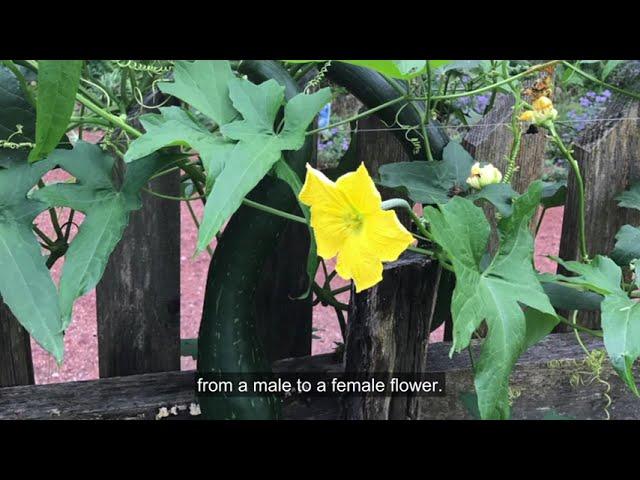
385	235
328	209
319	190
356	261
329	229
360	190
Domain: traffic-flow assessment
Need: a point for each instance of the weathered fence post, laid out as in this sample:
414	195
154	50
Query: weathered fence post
388	332
138	298
608	153
16	365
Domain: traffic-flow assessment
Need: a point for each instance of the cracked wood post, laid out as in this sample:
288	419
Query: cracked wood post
608	154
388	332
138	298
16	365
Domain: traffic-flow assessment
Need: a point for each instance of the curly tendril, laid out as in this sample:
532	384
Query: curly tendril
586	372
315	81
145	67
15	146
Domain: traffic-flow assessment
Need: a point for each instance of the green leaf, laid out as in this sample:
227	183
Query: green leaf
539	325
621	330
554	194
494	295
174	127
609	67
601	276
620	314
284	172
500	195
627	247
630	198
470	402
249	162
430	182
204	84
57	87
106	212
259	147
25	284
15	110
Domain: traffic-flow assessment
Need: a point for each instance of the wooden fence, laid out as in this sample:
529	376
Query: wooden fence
139	306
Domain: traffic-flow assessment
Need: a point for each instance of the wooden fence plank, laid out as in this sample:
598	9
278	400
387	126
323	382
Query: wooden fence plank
138	298
388	331
542	387
16	365
608	154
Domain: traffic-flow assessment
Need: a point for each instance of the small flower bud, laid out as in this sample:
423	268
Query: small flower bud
542	112
483	176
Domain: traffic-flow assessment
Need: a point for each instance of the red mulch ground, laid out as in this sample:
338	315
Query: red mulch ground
81	350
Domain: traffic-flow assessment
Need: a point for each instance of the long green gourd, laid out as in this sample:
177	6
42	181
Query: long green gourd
228	341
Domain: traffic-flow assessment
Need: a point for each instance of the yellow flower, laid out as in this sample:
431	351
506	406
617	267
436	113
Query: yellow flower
542	112
348	221
482	176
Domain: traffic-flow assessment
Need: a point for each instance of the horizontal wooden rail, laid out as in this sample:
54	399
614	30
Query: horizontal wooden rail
538	385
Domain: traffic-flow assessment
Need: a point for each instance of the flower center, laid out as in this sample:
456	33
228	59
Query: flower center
353	221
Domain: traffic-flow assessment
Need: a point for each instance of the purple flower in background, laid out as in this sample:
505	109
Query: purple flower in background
606	93
601	99
329	143
585	102
321	146
591	94
482	101
345	144
334	130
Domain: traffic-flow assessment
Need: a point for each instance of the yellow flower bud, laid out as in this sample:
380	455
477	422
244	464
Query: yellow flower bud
542	112
527	116
483	176
542	103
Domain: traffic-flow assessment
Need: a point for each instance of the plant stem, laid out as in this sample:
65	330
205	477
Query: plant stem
197	224
581	200
486	88
577	327
274	211
424	119
401	203
360	115
23	82
115	120
326	298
